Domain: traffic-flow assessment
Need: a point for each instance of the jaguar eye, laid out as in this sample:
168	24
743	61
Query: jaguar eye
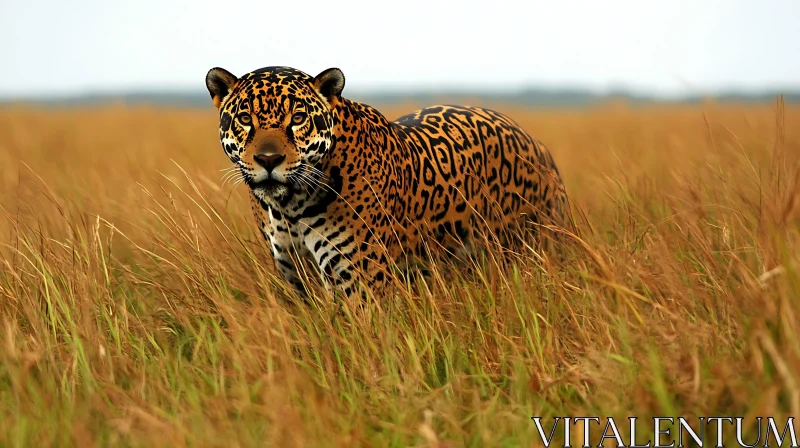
244	118
298	118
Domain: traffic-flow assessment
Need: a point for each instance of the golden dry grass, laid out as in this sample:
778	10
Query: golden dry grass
138	306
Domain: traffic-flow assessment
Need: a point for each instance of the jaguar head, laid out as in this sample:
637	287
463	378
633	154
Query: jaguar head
276	124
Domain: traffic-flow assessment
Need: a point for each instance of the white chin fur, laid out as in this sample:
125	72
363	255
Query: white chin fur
272	191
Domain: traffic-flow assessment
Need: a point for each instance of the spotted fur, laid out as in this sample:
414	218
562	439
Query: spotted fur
334	180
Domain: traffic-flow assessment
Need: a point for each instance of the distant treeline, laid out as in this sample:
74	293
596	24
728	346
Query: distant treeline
526	97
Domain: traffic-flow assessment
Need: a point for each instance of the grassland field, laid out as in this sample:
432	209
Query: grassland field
139	305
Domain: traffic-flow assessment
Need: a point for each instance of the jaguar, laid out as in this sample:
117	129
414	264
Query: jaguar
334	181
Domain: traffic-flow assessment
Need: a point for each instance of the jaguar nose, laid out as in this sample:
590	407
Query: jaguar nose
269	161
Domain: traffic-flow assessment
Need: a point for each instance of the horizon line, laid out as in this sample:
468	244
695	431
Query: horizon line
389	91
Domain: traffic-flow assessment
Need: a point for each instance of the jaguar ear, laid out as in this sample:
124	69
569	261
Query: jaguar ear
219	83
330	83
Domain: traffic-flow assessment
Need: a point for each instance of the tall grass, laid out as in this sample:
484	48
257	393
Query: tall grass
139	306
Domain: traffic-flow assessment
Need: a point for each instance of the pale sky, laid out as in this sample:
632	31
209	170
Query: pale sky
658	46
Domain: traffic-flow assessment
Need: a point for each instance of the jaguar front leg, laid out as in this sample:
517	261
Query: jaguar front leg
334	250
280	247
285	264
342	262
282	254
